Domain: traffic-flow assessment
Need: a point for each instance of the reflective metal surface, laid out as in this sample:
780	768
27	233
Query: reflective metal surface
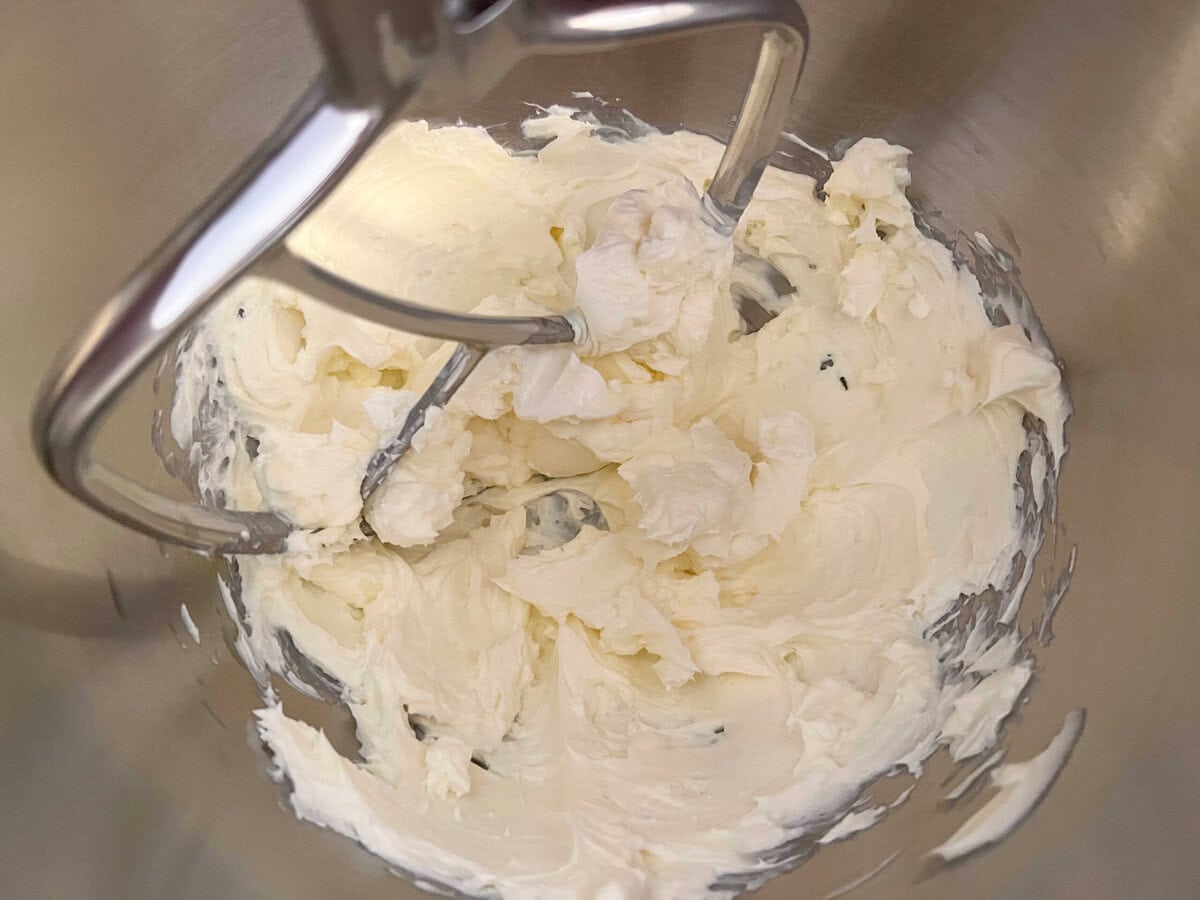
451	377
1068	131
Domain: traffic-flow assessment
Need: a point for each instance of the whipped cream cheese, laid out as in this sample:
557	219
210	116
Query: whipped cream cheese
632	614
1021	787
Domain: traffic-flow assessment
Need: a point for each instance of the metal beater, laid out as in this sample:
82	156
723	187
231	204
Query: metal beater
383	59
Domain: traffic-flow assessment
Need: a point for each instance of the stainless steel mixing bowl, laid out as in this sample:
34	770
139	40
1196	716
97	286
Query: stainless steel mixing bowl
1066	130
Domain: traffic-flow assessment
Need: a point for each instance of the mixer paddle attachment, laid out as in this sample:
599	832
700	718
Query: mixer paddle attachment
383	59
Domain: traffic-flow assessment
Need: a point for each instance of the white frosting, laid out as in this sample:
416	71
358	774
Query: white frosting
973	726
189	624
422	491
788	513
649	252
1021	787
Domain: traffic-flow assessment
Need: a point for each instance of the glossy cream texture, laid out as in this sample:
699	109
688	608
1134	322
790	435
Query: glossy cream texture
745	640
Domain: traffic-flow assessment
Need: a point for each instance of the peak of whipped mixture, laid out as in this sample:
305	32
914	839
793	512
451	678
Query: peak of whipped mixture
735	634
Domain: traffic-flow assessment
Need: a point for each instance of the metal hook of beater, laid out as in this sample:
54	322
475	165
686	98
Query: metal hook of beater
382	57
